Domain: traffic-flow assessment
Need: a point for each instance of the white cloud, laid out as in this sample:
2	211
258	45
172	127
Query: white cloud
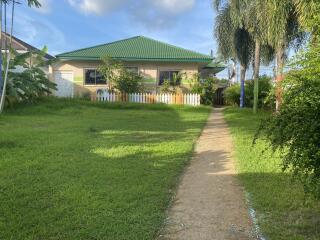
39	33
98	7
46	6
153	14
101	7
174	6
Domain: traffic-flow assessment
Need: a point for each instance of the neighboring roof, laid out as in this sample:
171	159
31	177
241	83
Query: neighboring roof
137	49
214	67
20	45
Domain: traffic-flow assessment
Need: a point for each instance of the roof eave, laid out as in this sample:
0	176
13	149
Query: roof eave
200	60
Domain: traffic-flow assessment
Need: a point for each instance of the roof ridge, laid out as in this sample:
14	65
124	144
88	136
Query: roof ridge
171	45
98	45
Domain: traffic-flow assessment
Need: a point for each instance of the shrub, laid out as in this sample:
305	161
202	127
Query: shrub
295	129
128	82
86	95
209	88
30	83
205	87
172	86
232	93
265	87
119	77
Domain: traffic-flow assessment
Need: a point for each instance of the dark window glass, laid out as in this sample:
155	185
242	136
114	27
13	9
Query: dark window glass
167	75
90	76
93	77
99	78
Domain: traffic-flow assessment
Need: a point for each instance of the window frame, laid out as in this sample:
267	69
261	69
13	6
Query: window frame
167	70
136	67
90	84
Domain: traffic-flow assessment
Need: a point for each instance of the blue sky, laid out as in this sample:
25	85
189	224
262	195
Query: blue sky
65	25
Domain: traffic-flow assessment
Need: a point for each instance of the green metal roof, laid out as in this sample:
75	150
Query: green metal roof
214	67
137	49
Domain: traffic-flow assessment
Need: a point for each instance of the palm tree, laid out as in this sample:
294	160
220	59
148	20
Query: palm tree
234	41
282	25
248	11
3	83
243	14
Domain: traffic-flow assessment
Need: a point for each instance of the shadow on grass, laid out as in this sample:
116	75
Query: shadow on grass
283	210
91	171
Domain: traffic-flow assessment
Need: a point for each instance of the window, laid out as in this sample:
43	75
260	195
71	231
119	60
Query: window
132	69
93	77
168	75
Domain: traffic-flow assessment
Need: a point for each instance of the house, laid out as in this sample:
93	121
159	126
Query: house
22	47
19	45
75	72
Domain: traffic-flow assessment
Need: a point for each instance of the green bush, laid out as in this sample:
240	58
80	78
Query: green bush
265	87
128	82
209	88
232	93
172	86
30	83
205	87
295	129
120	78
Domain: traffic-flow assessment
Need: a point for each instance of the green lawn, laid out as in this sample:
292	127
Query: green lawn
283	212
71	169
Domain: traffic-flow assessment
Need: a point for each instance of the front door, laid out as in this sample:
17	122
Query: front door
64	81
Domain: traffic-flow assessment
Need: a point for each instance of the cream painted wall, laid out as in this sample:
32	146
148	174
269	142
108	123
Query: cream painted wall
150	70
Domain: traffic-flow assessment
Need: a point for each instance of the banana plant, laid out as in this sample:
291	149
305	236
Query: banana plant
4	77
31	82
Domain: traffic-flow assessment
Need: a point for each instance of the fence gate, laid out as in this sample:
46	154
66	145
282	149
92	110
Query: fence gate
219	97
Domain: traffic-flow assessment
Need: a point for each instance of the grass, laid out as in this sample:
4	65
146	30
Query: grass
283	211
71	169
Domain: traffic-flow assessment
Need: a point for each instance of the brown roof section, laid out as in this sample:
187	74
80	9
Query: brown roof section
20	45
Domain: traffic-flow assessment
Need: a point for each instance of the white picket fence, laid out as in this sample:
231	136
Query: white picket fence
147	98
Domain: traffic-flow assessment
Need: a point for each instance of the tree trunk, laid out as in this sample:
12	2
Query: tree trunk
2	100
242	79
279	76
256	75
1	79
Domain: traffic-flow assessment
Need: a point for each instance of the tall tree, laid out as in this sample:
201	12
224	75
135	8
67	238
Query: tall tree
282	26
247	12
243	14
234	41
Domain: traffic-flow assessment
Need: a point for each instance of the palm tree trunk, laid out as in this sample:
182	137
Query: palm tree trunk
1	79
5	31
256	75
243	70
279	75
2	100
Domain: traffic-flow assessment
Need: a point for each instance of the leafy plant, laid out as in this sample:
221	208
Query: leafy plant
119	78
295	129
129	81
265	87
7	48
173	85
205	87
31	82
232	93
110	69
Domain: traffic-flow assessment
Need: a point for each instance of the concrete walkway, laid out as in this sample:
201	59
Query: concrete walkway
210	203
